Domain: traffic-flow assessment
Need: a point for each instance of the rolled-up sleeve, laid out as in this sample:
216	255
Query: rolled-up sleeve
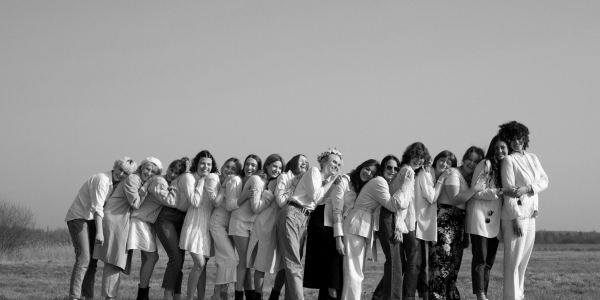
99	189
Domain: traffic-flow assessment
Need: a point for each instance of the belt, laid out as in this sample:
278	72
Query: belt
303	210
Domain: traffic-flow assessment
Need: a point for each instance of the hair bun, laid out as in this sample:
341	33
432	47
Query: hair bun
187	162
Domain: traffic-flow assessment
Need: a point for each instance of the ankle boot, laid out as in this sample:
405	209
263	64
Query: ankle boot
257	296
143	293
274	295
249	294
239	295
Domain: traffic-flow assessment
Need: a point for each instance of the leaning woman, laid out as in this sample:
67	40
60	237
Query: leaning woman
141	231
242	221
169	191
523	171
359	225
84	220
262	248
343	196
195	234
293	219
115	224
446	253
225	258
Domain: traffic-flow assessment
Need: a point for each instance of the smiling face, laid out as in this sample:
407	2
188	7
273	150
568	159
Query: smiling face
274	169
516	145
470	163
416	163
500	150
390	170
119	174
367	173
204	166
147	171
302	164
250	166
333	166
229	168
442	165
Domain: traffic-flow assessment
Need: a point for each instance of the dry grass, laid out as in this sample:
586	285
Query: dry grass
554	272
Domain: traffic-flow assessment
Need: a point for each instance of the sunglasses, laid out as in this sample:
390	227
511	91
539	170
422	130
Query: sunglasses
390	168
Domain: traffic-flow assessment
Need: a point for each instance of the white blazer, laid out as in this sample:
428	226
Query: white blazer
519	170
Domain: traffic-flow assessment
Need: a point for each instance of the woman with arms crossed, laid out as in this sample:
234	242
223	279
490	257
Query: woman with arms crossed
446	254
84	220
523	171
195	234
225	258
242	221
262	248
291	226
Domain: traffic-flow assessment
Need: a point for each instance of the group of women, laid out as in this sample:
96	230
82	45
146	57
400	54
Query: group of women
255	215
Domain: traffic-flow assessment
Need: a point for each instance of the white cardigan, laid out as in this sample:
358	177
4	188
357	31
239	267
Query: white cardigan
486	204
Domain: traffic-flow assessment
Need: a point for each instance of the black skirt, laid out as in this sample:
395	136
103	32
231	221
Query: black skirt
323	264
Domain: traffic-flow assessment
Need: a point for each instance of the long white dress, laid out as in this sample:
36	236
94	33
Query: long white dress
195	234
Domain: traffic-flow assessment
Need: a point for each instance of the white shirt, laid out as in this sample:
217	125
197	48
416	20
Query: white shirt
91	197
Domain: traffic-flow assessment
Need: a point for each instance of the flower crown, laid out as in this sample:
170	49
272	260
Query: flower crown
328	152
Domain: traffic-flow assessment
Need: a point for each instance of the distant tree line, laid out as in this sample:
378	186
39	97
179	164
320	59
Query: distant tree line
567	237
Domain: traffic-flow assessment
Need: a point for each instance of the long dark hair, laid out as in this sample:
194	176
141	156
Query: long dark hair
180	166
476	150
491	156
205	154
416	150
258	164
354	175
272	159
384	163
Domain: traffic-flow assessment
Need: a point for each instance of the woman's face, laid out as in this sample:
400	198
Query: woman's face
470	163
516	144
250	166
274	169
147	171
171	174
302	164
334	166
500	150
416	163
204	166
367	173
119	174
443	164
391	169
229	168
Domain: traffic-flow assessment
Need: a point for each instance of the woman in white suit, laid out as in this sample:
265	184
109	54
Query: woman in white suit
483	216
523	171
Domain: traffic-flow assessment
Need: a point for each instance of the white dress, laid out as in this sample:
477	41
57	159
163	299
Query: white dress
195	234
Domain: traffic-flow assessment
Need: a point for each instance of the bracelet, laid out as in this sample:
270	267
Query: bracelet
440	182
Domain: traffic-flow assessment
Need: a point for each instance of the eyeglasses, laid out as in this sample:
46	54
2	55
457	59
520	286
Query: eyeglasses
390	168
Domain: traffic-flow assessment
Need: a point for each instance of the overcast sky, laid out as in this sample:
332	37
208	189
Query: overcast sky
84	83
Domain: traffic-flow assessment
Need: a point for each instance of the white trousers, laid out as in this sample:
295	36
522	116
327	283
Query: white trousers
111	278
225	257
353	266
517	251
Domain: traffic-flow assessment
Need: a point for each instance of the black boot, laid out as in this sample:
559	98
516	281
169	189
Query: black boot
239	295
249	294
257	296
274	295
143	293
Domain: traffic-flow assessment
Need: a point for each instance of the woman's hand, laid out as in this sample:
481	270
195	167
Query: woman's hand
249	193
338	180
397	237
522	190
99	238
517	229
444	176
339	245
510	191
479	185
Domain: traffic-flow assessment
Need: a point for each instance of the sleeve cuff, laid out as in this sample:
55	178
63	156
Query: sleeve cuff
338	230
99	213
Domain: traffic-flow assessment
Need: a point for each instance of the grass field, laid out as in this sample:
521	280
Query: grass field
569	271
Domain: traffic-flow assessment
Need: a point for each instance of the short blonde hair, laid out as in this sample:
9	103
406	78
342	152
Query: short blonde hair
125	163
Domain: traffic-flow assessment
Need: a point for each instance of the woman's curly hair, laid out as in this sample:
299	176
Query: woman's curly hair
511	130
416	150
